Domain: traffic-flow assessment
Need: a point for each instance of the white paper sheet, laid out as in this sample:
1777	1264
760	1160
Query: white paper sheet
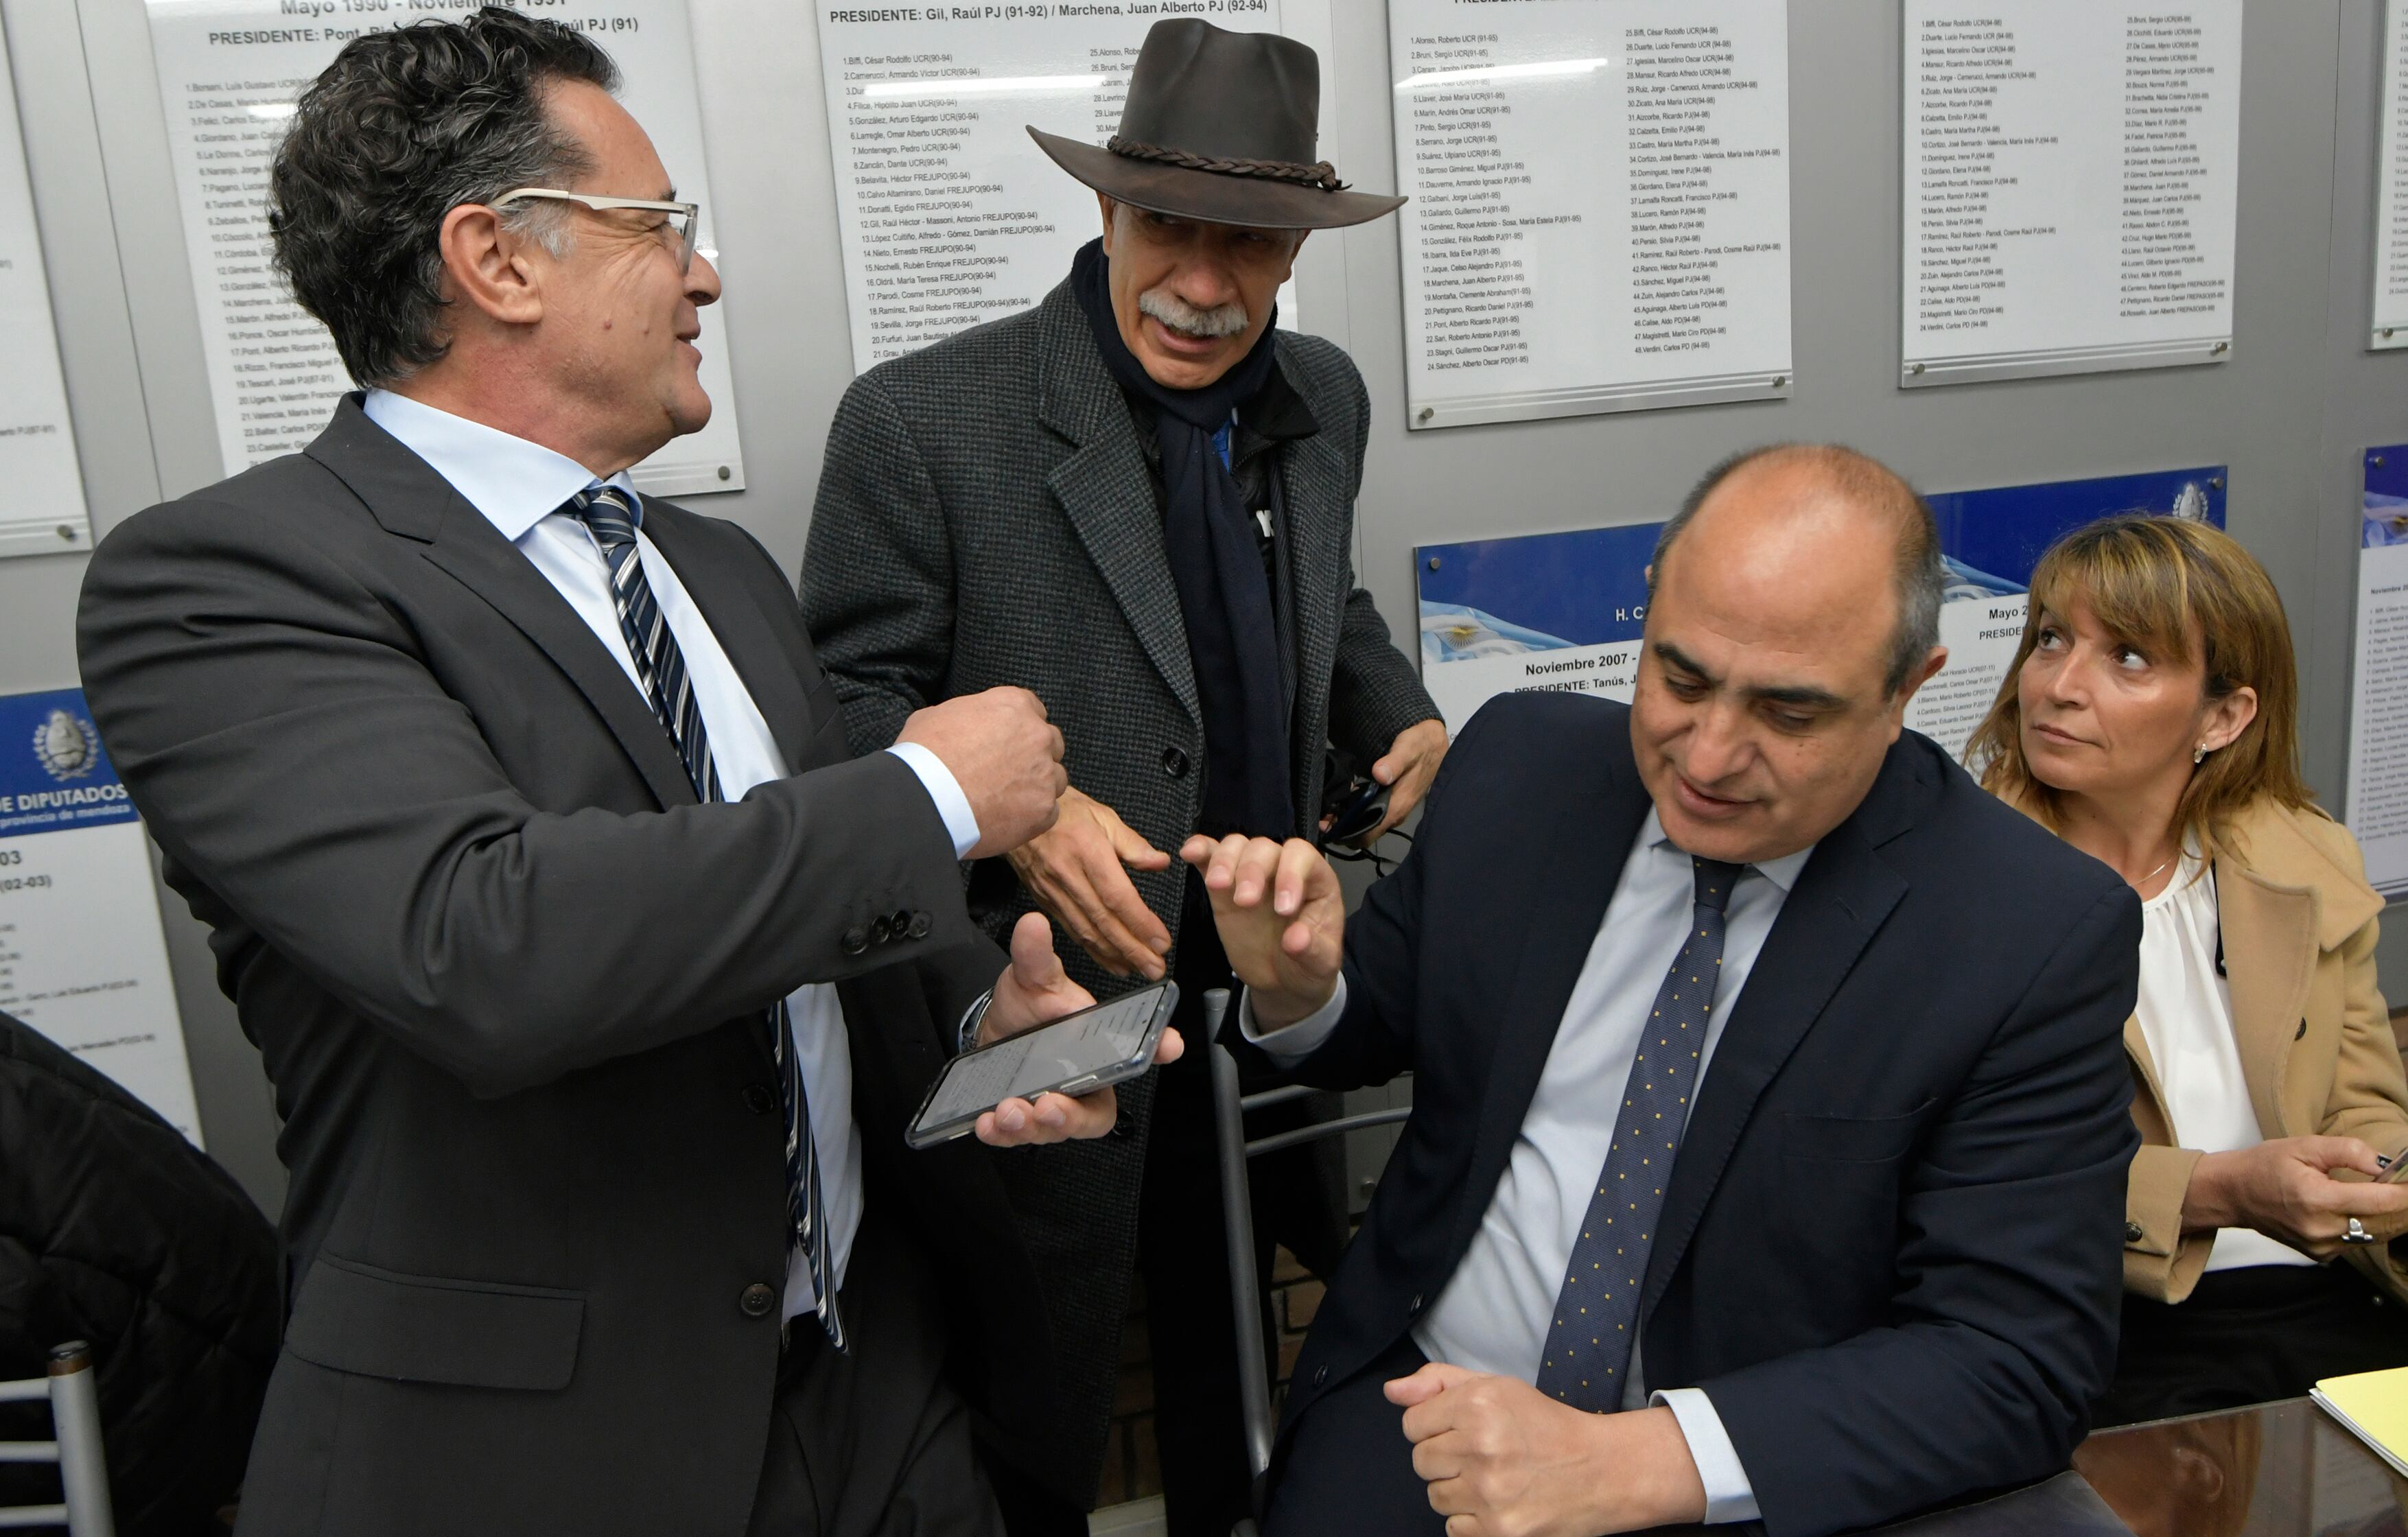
229	71
2390	328
1601	204
83	958
2069	185
950	215
44	513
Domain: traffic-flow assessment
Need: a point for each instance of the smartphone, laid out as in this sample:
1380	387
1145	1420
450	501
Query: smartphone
2395	1171
1077	1053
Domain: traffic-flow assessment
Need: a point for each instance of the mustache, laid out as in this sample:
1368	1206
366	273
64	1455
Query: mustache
1222	319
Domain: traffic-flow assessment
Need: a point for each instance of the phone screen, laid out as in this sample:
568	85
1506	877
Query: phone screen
1092	1041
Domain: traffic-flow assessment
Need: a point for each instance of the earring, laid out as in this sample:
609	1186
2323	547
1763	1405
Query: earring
2199	755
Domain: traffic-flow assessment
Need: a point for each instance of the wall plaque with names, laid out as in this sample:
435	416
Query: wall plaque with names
2071	186
2391	325
44	511
949	214
1599	214
229	72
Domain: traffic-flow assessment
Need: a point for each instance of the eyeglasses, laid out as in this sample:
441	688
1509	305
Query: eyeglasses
681	225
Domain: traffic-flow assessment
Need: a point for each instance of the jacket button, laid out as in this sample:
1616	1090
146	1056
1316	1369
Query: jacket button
1320	1375
1174	763
757	1301
2134	1232
920	926
880	930
760	1099
855	940
900	925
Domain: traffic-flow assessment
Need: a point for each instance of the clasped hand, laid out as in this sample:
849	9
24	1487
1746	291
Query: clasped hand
1032	991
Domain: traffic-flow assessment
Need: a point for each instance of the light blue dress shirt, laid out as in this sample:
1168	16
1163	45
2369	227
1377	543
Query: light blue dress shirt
1493	1314
521	487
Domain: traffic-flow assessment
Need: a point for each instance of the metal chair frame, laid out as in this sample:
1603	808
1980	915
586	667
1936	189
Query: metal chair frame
73	1389
1229	1107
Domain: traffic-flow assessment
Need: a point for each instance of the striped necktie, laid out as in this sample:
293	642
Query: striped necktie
1587	1359
609	516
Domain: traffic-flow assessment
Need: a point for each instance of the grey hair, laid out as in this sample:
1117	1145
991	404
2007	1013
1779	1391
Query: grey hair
404	127
1921	578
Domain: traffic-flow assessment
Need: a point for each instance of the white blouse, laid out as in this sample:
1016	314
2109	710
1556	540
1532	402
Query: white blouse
2186	1014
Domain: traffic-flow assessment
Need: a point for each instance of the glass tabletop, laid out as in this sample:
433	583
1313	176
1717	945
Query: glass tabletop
2279	1469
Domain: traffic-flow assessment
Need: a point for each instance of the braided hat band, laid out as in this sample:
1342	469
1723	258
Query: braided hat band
1321	175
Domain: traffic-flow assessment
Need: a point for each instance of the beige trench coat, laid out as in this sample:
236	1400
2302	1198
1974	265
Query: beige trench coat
2299	924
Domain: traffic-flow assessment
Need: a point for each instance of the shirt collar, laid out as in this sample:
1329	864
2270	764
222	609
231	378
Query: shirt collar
514	483
1782	872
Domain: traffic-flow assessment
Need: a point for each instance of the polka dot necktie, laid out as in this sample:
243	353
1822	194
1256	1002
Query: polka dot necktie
609	514
1587	1359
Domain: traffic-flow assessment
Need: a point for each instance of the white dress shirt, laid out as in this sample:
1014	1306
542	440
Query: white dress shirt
1496	1308
2186	1014
521	487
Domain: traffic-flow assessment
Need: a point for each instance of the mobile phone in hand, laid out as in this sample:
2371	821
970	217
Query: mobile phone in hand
1075	1055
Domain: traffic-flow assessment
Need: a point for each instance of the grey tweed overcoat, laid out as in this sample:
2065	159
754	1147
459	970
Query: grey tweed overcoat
987	516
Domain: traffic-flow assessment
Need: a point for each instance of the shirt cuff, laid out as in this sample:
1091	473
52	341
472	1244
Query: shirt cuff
1292	1044
1730	1497
961	823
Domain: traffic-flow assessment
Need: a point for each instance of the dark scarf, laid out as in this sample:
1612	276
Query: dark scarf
1224	599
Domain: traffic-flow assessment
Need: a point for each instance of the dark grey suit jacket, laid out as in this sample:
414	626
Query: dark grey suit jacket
508	978
988	517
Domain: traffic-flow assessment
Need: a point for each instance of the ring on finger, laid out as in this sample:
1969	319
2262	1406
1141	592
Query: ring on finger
2356	1233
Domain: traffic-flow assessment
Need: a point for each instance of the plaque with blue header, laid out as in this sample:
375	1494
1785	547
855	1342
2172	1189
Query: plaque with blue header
1567	611
84	958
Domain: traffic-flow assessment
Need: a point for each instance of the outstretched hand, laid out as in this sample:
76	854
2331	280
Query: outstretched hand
1282	917
1035	990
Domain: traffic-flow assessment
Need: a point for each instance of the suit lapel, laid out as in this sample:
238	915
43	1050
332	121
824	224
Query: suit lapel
743	631
1106	490
1842	899
409	500
1570	881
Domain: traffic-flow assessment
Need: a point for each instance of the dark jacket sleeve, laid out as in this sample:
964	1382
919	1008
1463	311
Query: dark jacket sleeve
2010	1276
290	749
878	570
1374	691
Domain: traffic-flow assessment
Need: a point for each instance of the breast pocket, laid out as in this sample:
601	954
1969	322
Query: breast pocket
1852	1139
380	1323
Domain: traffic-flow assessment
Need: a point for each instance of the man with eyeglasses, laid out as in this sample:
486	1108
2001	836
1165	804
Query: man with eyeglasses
594	976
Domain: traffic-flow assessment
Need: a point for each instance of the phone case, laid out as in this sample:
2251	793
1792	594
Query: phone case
917	1135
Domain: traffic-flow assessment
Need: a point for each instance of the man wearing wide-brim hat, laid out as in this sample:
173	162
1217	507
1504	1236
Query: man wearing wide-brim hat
1136	500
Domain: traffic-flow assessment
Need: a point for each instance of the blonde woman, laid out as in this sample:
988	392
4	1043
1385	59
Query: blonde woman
2150	720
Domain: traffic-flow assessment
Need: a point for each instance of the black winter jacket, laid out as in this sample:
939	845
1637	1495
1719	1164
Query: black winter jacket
115	1229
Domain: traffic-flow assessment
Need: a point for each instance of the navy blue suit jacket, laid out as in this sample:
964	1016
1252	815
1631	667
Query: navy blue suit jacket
1892	1251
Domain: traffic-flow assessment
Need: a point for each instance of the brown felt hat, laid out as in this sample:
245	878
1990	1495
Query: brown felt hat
1220	126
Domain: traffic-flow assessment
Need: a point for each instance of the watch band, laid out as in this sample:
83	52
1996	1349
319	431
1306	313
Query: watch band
966	1033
